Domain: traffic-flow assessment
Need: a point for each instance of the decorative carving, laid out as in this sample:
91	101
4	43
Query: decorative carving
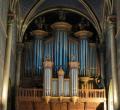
19	47
60	72
48	64
61	26
74	99
74	64
83	33
111	19
47	99
40	33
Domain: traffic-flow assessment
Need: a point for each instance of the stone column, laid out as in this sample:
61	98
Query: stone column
111	32
18	67
7	61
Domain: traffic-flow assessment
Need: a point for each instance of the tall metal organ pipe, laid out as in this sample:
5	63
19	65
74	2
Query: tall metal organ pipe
92	59
38	50
48	66
48	49
83	51
74	71
73	50
61	30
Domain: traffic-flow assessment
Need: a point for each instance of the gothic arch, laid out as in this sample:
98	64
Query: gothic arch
29	16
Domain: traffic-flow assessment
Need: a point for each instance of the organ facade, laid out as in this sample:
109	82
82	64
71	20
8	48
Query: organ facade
61	65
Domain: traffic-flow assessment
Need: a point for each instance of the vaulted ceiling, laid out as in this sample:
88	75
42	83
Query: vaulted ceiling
93	10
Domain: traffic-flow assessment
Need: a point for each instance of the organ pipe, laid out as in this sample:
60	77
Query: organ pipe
38	50
92	59
73	50
60	81
74	71
61	30
83	51
48	49
48	65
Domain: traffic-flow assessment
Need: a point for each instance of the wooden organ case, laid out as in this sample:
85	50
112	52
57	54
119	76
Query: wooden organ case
60	71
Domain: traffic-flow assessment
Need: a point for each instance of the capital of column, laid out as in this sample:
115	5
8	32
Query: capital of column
20	46
61	26
60	72
83	34
11	17
39	33
92	45
111	19
74	64
48	64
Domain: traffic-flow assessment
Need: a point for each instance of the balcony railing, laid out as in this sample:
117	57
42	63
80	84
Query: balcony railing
36	94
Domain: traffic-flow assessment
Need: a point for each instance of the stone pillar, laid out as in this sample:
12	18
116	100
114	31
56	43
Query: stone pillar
7	61
102	62
111	32
18	67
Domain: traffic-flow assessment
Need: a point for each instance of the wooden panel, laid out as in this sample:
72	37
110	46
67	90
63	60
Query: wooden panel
77	106
59	106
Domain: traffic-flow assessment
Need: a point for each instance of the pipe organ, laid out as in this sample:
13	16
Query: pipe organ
71	54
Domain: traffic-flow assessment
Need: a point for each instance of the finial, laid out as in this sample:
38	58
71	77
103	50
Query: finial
83	24
60	72
40	22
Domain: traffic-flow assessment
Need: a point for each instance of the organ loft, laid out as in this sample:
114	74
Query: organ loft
59	55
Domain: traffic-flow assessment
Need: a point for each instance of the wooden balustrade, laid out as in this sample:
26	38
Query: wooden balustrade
36	94
92	93
29	94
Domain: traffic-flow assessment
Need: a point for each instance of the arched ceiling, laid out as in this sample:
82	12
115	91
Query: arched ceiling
92	9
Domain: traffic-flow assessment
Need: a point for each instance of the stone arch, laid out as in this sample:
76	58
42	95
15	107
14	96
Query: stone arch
28	17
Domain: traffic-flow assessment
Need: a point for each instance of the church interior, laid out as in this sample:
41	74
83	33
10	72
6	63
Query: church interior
59	55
